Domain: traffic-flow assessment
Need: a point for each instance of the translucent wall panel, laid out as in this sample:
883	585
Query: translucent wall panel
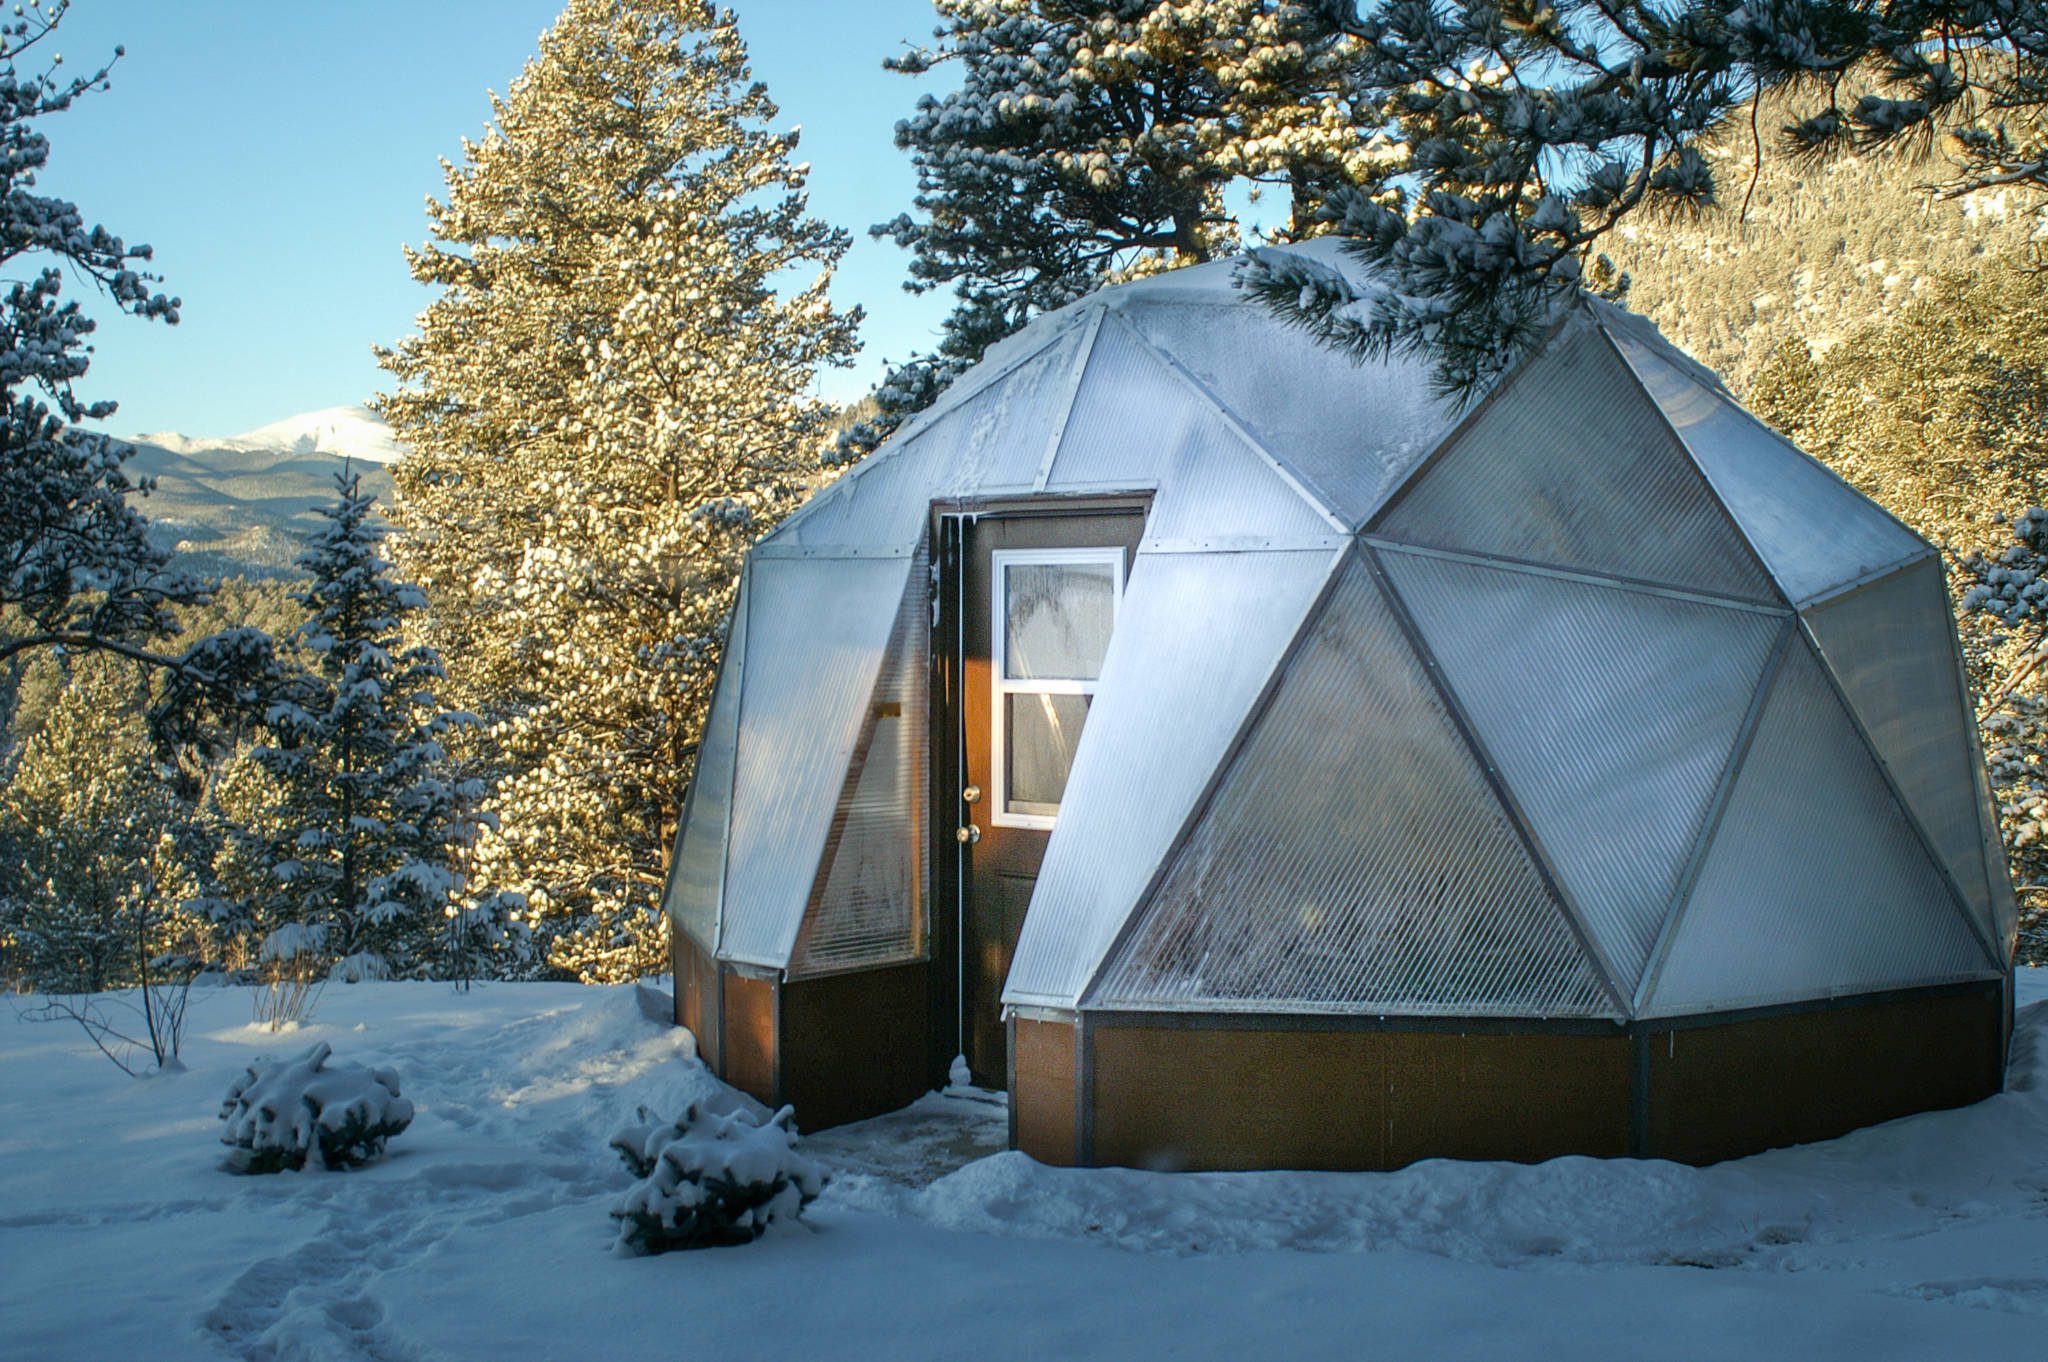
698	872
2005	908
1813	885
1813	530
880	504
1129	418
1366	425
1197	637
1572	466
1353	859
870	908
1619	322
817	630
1892	648
1610	715
1221	490
990	440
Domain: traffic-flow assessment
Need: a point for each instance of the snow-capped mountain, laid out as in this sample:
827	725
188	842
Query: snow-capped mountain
339	432
248	503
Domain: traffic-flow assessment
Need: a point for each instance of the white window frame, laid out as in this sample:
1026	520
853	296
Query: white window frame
1002	687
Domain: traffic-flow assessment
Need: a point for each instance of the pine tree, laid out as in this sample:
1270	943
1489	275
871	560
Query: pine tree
88	887
1536	127
78	569
370	823
606	401
1092	141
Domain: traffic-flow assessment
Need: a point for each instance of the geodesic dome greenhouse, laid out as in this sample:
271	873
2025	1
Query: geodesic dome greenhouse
1248	759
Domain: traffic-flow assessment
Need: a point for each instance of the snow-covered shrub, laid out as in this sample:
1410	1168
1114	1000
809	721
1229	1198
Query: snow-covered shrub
359	968
292	958
710	1179
285	1113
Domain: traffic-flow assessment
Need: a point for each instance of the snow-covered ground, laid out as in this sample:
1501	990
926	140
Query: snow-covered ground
483	1232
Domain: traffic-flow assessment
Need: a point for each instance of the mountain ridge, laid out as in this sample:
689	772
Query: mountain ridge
248	505
345	432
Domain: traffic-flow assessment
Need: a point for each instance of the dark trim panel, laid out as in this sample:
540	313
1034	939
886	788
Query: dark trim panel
852	1044
1044	1098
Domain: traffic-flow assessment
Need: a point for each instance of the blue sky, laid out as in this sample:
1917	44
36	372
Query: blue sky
277	156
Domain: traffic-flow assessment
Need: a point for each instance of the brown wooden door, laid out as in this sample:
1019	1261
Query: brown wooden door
1035	601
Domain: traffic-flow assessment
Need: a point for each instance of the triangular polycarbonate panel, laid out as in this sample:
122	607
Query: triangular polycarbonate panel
879	504
1353	859
1571	466
1197	637
869	909
817	631
1222	491
1129	419
2005	908
1891	646
998	438
1610	713
1814	531
1813	884
1349	430
698	874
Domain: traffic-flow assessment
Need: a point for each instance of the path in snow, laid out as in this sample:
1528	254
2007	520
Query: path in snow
937	1135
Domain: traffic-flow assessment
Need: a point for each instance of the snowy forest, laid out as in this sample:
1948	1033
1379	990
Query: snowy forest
456	743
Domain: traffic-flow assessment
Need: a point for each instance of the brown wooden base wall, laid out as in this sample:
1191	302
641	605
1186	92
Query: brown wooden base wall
1216	1092
1219	1092
838	1048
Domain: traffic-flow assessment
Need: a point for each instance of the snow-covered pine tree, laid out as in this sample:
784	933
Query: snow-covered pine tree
605	402
88	889
1090	141
77	567
370	821
1535	127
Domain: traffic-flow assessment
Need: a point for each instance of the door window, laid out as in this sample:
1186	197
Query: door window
1054	612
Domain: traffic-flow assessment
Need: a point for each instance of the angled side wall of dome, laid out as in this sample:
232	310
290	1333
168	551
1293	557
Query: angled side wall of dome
818	630
697	869
868	907
1611	712
1813	884
1892	648
1354	858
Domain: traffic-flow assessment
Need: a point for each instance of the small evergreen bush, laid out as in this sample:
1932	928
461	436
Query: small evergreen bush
709	1180
285	1113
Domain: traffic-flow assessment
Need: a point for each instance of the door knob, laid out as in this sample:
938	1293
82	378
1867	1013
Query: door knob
971	795
968	835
